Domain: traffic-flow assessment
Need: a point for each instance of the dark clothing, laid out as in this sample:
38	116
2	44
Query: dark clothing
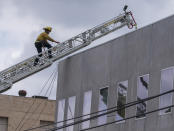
39	46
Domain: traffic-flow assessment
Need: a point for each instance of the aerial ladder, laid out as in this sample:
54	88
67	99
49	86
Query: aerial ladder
26	68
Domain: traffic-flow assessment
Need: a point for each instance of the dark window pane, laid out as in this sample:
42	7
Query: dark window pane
86	108
142	93
102	105
121	99
166	85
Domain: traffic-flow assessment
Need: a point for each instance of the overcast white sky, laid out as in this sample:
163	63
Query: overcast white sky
22	20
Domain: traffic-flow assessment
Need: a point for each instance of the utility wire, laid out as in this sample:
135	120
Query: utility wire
113	109
33	103
46	102
150	112
54	72
61	127
80	121
53	84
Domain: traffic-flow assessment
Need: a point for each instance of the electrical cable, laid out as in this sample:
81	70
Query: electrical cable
54	72
150	112
47	81
53	84
33	102
46	102
54	129
113	109
124	106
109	112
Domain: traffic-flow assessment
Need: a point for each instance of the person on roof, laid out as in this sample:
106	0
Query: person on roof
41	42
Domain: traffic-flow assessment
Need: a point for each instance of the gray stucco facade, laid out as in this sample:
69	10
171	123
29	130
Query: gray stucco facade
145	51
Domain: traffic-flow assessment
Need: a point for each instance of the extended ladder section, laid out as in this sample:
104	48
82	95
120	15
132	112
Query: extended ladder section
26	68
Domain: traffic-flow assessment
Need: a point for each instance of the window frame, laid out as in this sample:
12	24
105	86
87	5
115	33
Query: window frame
62	123
137	95
117	87
73	113
88	116
99	103
159	113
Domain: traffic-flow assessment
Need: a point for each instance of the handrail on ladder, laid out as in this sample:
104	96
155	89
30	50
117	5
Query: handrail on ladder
26	68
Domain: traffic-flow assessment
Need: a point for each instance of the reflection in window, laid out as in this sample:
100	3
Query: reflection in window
166	85
142	93
71	112
86	108
61	108
121	99
103	105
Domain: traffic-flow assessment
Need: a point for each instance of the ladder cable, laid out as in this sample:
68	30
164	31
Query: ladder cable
27	68
34	101
46	102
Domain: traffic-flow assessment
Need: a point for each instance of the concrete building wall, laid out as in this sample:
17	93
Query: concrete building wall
145	51
24	112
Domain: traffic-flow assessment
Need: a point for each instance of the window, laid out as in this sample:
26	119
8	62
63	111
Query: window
142	93
3	123
121	99
103	97
86	108
61	108
166	85
71	112
42	123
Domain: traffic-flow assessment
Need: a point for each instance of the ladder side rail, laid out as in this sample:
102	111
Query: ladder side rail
27	62
69	51
109	31
28	73
13	68
18	67
115	19
26	67
25	73
112	22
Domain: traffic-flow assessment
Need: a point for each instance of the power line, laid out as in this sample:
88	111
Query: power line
54	72
123	107
109	112
33	102
150	112
113	109
47	81
51	85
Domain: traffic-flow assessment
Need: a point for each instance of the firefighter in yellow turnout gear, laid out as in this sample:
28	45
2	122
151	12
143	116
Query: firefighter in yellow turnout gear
41	41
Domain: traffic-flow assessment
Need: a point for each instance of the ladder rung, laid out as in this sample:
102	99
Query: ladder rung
26	68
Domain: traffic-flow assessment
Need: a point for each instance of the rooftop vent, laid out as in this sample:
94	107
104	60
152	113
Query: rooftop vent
22	93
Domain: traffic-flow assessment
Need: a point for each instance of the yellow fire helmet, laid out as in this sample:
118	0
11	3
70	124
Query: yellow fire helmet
47	28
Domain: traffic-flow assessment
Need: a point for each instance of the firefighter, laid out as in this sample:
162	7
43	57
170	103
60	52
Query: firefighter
41	42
